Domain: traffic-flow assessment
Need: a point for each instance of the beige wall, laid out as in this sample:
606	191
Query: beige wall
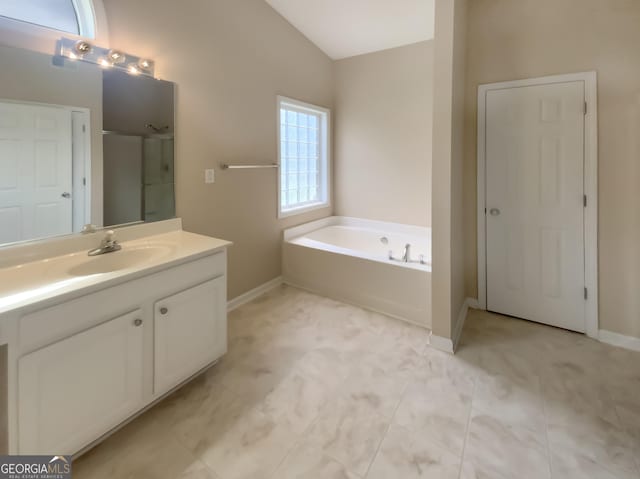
510	40
447	205
229	59
384	104
458	295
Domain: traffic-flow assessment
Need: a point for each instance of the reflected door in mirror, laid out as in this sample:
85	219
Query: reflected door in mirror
36	180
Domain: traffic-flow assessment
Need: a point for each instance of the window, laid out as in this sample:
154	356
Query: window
69	16
303	151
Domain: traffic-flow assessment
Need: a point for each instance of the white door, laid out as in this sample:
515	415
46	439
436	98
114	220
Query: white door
190	332
534	203
73	391
35	172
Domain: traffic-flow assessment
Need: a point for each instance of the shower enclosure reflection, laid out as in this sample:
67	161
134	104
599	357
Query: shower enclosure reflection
138	148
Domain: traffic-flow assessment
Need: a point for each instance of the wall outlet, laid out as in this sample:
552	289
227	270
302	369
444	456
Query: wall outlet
210	176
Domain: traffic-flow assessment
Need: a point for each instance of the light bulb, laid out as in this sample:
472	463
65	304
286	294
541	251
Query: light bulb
133	70
82	47
144	64
116	57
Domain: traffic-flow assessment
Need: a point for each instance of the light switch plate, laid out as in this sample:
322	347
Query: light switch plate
210	176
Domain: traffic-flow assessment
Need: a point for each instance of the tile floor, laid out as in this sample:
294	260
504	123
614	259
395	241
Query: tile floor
313	388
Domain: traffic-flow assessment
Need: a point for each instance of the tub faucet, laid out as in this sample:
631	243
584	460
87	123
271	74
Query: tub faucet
406	255
107	245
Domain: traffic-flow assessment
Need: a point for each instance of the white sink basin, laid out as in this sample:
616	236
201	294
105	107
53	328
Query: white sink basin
119	260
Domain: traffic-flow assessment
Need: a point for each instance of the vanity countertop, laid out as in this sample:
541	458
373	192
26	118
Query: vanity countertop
69	275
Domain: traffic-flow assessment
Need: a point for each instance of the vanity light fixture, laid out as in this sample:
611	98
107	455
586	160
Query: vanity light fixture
105	57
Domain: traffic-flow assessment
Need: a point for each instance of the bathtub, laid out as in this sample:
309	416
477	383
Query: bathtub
347	259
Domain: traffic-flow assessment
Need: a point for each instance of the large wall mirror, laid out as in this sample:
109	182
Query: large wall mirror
81	144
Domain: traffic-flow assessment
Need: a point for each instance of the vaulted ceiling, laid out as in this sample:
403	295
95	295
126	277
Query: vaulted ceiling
345	28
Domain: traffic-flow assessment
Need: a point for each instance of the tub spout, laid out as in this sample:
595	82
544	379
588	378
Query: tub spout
406	255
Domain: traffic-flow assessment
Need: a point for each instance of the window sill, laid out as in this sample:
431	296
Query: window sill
303	209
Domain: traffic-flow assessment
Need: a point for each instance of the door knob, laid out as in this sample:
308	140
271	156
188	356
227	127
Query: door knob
66	195
137	322
494	212
164	310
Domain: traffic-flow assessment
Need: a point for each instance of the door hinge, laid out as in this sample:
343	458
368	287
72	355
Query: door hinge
586	293
584	200
84	182
84	128
585	108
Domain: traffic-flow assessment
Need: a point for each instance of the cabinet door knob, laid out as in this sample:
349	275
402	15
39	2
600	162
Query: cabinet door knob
164	310
137	322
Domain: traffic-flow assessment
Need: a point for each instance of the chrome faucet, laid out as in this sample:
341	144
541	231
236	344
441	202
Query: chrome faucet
406	255
107	245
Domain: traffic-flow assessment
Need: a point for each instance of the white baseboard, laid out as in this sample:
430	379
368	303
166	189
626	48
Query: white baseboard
253	294
449	345
620	340
440	343
473	303
445	344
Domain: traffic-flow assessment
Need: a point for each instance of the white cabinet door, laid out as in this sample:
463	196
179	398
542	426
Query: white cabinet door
72	392
190	332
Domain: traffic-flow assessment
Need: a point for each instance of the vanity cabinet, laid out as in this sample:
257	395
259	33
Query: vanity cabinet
86	365
73	391
187	332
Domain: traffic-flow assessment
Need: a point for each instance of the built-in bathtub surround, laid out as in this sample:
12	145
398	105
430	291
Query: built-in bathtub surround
381	266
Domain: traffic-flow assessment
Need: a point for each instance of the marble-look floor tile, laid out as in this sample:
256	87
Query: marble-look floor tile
578	467
439	409
372	388
252	448
497	449
593	438
305	462
199	426
259	373
299	397
570	394
349	433
142	450
407	455
516	400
